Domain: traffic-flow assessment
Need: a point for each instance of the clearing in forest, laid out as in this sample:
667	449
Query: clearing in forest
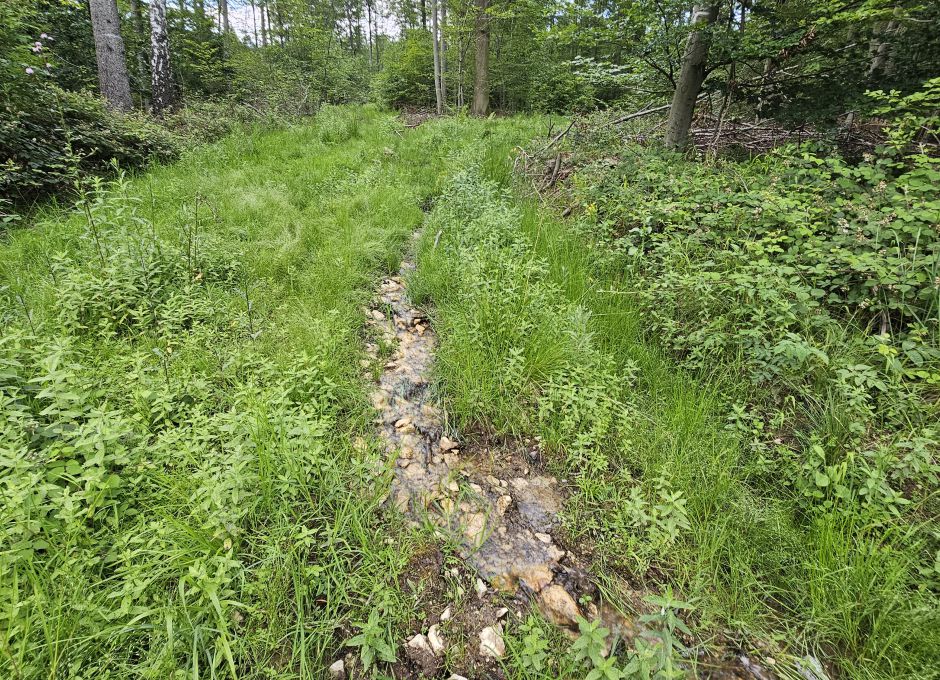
340	400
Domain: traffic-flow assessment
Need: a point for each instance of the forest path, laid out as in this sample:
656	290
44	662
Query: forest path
492	504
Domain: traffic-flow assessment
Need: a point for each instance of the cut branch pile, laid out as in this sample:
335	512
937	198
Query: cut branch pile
548	166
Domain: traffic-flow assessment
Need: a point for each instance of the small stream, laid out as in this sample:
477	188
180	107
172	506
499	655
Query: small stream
501	512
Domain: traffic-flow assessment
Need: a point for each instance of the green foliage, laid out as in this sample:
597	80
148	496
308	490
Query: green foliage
178	396
914	118
373	641
51	138
408	73
715	270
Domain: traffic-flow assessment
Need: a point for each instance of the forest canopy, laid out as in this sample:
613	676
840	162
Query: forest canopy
197	67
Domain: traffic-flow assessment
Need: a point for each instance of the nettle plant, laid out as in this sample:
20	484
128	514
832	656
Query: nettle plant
655	655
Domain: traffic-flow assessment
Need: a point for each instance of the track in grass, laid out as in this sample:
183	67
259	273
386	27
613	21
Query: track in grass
495	506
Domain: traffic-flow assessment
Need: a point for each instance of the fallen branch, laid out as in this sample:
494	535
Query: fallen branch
557	137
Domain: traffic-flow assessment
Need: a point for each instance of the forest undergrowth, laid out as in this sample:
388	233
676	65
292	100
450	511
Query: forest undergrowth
189	483
734	364
191	486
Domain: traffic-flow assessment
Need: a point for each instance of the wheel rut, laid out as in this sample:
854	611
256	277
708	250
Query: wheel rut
501	512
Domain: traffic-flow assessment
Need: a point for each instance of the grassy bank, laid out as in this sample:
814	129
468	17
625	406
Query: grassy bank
542	334
182	491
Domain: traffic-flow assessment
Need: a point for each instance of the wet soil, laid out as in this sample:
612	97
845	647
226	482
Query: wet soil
493	503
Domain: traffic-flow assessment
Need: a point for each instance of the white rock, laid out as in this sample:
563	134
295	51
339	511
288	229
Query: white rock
502	504
421	643
480	588
447	444
447	615
544	538
500	613
377	315
456	677
491	642
338	670
436	640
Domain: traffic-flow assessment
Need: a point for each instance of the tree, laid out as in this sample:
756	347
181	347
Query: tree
435	47
481	85
163	93
691	77
109	55
223	11
443	51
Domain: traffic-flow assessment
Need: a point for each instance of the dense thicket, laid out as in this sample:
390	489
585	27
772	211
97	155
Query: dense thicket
798	62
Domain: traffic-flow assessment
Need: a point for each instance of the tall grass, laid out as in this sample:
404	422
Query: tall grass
540	336
180	397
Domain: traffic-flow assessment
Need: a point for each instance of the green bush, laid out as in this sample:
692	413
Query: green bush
52	138
809	506
407	78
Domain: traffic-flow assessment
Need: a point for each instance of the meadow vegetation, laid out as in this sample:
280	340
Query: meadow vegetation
735	366
189	483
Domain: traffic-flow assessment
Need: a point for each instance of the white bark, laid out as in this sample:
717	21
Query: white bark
690	78
437	58
163	94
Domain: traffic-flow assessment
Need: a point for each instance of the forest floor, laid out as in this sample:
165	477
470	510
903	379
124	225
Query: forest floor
267	413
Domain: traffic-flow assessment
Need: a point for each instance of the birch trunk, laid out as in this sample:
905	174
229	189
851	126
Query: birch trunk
143	72
443	53
109	54
437	58
162	92
481	85
691	78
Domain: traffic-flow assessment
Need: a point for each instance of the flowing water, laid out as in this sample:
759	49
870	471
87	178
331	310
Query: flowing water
503	514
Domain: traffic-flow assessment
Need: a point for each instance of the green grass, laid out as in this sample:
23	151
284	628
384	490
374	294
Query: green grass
540	335
180	397
188	480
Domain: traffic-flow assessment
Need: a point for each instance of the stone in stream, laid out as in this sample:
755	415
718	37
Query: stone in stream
420	643
539	501
491	642
557	605
337	670
447	444
436	640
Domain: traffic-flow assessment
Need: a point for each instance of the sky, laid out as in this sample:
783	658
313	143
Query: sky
240	19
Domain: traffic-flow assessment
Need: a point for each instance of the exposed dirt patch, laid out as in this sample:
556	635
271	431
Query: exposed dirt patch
495	510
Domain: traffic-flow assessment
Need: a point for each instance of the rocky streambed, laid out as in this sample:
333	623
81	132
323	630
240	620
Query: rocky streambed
491	502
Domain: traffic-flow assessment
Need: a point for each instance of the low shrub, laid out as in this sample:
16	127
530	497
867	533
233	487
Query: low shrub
53	138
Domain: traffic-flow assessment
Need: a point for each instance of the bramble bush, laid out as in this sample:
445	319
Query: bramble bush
804	442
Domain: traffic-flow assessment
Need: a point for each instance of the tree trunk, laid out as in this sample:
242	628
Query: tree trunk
369	30
690	78
460	56
424	14
109	53
264	24
437	59
481	85
143	72
162	91
223	10
443	53
254	21
881	47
